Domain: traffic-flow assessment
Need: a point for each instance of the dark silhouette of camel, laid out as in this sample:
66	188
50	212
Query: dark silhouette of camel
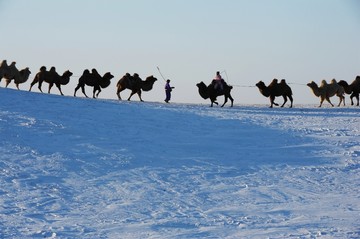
275	89
10	72
95	80
353	89
51	77
207	92
135	84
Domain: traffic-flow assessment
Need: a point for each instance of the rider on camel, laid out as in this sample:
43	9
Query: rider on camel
218	82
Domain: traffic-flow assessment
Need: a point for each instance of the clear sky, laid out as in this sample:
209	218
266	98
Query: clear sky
298	40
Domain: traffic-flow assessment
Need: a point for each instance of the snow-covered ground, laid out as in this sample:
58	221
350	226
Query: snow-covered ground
84	168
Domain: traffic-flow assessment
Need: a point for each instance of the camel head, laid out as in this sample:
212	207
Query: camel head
343	83
315	88
148	83
25	72
201	85
108	76
348	88
312	85
67	73
264	90
203	90
151	79
260	85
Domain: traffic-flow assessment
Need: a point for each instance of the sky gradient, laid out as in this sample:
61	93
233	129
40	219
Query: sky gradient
300	41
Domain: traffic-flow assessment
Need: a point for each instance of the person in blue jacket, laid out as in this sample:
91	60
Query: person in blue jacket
168	90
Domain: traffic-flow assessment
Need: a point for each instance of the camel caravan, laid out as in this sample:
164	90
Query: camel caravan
217	87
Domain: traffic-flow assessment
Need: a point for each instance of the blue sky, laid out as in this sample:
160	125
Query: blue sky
300	40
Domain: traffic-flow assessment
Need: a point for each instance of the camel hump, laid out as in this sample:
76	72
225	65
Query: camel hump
323	82
333	81
3	63
273	82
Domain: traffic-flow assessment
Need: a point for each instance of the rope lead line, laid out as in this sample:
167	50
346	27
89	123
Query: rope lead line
161	74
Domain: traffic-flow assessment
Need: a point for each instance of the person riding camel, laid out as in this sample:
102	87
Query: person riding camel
218	82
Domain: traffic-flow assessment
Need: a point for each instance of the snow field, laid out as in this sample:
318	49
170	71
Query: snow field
84	168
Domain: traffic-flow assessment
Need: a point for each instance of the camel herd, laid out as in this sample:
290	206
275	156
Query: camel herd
136	85
93	79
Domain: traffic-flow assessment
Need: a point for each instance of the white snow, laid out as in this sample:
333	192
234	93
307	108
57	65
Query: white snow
83	168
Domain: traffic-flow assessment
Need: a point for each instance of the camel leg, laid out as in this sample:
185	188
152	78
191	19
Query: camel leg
33	83
272	101
225	100
17	86
285	100
357	98
232	100
76	88
291	100
139	94
118	92
96	88
50	86
272	98
59	87
99	90
131	94
40	84
83	91
7	82
342	99
328	100
321	100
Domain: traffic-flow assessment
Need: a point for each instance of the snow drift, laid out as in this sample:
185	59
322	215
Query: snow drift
84	168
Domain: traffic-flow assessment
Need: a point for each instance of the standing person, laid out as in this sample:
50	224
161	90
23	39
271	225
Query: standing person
218	81
168	90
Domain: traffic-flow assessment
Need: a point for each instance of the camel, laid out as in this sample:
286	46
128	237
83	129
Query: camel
325	91
51	77
353	89
212	93
275	89
12	73
95	80
3	69
135	84
21	77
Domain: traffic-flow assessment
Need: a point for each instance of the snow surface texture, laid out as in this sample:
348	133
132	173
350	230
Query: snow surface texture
84	168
